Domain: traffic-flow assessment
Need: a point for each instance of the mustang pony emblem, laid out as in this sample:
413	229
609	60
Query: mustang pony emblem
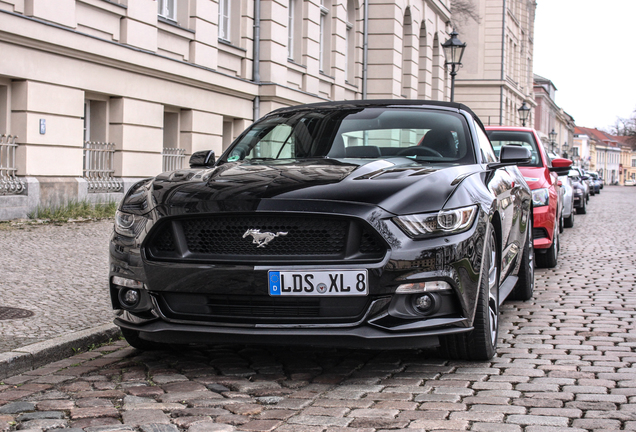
262	238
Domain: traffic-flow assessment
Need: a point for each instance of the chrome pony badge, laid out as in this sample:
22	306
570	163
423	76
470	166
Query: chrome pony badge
262	238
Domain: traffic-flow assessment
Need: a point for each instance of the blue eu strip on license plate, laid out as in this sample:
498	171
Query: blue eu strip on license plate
332	283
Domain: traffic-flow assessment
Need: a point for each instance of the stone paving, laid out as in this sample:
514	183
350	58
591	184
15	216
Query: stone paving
60	272
566	361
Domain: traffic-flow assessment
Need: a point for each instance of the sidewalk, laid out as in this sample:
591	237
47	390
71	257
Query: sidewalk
58	275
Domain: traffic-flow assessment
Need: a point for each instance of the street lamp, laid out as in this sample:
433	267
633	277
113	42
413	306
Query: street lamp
524	113
565	149
553	136
453	51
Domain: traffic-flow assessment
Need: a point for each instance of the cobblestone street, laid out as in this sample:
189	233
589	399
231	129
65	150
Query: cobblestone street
566	359
60	273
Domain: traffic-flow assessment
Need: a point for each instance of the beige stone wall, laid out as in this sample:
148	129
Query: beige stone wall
115	71
496	77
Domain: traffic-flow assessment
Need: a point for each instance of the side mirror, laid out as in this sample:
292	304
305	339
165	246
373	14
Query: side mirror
513	155
202	159
560	166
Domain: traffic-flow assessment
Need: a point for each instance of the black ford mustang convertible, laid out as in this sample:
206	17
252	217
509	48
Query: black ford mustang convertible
367	224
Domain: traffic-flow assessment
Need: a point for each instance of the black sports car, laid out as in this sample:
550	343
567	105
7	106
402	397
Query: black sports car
368	224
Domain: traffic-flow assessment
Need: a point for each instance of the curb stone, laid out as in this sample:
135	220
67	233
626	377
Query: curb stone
32	356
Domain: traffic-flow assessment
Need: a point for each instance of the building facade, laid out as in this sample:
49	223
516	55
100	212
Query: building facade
95	94
550	119
496	77
607	155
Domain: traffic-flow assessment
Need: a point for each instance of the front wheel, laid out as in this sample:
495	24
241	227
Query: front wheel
550	257
524	288
582	209
481	342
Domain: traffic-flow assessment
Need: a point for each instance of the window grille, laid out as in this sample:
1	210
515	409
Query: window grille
99	167
173	159
9	183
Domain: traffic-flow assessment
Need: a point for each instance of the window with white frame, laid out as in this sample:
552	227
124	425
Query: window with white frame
224	20
290	29
167	9
350	45
325	37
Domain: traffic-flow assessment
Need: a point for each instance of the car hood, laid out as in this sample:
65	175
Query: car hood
535	177
397	185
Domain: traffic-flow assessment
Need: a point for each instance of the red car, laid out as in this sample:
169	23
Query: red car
541	174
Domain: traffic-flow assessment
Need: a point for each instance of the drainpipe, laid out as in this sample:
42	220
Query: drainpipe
503	63
256	62
365	49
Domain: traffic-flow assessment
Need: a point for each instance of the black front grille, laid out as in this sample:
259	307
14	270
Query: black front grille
290	235
260	309
265	237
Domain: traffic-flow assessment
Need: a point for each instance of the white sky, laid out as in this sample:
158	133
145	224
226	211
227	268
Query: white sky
587	48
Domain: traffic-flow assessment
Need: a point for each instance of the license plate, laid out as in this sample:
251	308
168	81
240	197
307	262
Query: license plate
318	283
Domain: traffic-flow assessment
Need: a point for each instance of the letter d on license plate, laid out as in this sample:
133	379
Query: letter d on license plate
318	283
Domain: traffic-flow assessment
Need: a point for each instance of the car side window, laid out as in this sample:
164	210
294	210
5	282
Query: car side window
486	147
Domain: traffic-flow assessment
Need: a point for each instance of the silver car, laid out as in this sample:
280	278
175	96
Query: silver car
567	195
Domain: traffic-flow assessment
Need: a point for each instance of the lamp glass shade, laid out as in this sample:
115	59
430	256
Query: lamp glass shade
453	49
524	112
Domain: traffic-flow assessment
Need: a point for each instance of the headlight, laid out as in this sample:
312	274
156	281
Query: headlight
540	197
128	224
578	191
435	224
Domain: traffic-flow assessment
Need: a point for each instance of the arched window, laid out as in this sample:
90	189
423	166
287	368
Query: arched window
350	42
438	70
425	74
325	36
407	54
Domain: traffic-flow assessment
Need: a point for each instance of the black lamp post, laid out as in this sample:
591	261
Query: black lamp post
453	51
524	113
553	136
565	149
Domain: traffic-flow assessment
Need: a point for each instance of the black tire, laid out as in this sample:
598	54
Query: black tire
549	258
133	339
524	288
569	221
561	224
481	342
582	209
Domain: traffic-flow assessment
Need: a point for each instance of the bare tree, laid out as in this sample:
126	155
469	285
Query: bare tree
463	11
625	127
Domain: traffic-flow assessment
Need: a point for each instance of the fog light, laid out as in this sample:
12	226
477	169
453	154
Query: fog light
424	303
129	297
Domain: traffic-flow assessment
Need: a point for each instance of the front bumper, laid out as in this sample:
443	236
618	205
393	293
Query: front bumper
544	217
381	320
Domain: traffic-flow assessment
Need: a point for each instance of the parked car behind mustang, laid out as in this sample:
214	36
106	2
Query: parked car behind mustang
369	224
595	183
567	194
584	180
541	173
578	185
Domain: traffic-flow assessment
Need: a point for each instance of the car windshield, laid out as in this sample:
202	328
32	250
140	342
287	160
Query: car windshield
357	133
518	138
